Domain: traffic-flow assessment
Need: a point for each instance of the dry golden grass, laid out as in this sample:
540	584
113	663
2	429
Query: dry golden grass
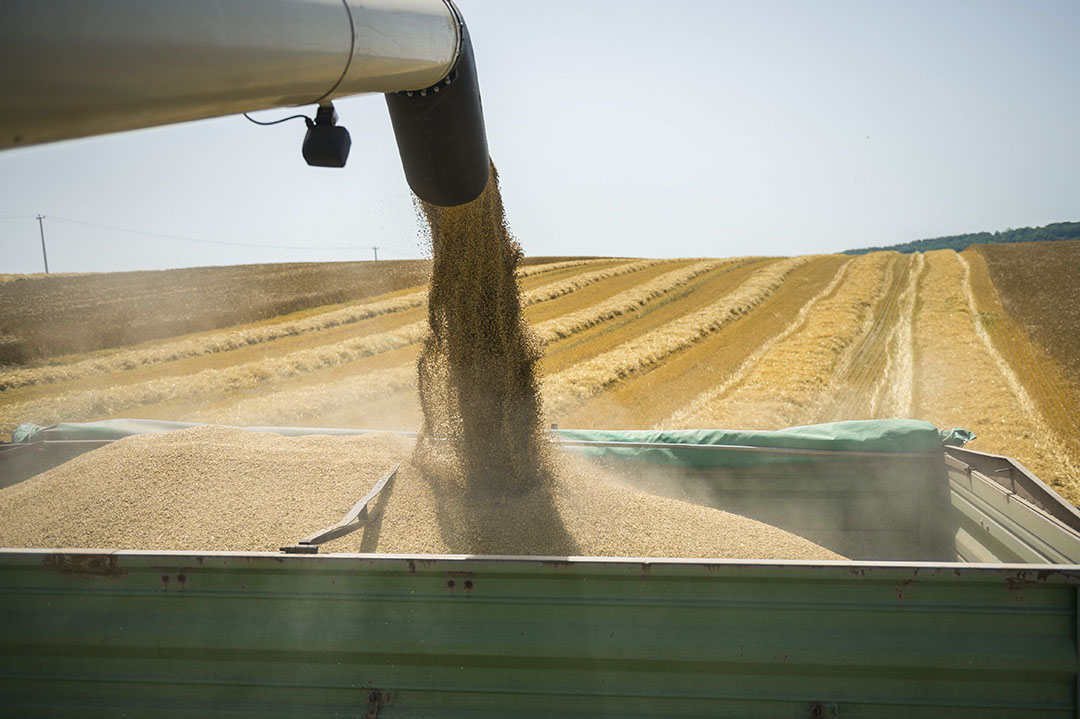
555	290
875	380
792	377
530	270
650	398
570	387
624	302
893	394
962	381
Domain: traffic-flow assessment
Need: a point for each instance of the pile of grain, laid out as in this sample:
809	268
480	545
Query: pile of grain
477	368
224	489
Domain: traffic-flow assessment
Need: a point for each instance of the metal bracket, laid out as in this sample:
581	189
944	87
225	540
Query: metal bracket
376	699
353	520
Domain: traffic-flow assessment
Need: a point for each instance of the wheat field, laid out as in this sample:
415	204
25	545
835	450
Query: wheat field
749	342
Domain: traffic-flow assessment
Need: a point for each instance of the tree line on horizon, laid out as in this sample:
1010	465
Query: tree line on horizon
1052	232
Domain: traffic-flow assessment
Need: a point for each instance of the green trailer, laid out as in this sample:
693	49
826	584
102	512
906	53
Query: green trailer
961	599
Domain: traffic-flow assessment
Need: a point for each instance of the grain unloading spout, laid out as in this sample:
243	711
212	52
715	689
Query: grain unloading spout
75	68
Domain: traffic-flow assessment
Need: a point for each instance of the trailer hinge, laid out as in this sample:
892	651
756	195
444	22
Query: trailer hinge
377	698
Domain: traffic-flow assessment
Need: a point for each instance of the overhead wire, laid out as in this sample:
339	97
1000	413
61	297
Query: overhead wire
254	245
113	228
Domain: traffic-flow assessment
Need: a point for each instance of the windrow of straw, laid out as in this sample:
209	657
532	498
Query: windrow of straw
959	379
627	301
293	405
554	290
795	376
209	344
84	404
96	402
531	270
692	414
583	380
235	339
54	316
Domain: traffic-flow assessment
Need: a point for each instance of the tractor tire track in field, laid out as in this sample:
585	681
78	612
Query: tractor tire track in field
962	381
692	414
893	394
649	397
1054	443
793	378
860	382
575	385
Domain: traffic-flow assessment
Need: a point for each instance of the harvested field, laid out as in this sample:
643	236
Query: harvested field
214	343
222	489
583	380
50	315
1039	288
961	380
650	398
642	343
792	378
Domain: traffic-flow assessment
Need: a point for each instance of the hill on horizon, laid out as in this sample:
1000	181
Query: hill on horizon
1048	233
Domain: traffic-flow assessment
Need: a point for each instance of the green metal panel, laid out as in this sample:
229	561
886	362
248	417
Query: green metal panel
995	524
188	634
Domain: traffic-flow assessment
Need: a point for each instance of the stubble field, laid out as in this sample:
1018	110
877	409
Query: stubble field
982	339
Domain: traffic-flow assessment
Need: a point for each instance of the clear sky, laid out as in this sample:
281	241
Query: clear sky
623	128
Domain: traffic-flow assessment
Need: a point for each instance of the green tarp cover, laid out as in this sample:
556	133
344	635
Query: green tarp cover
819	442
700	447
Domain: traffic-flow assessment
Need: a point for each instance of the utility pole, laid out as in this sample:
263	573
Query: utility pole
41	229
376	253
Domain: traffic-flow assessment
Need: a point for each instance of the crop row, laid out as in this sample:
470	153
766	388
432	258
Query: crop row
692	413
796	373
86	403
959	381
50	316
584	379
234	339
892	394
624	302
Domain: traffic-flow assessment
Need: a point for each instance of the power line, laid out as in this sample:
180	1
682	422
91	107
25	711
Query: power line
128	230
401	252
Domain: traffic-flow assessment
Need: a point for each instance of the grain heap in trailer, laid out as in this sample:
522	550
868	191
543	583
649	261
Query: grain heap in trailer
850	569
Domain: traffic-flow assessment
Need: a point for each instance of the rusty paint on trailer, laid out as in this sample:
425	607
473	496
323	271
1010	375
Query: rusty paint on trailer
88	566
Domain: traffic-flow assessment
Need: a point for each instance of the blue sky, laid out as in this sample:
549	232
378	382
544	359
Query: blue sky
622	128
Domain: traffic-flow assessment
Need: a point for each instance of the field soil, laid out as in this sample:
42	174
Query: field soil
985	339
47	315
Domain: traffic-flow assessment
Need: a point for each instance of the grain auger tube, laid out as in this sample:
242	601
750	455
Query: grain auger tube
75	68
